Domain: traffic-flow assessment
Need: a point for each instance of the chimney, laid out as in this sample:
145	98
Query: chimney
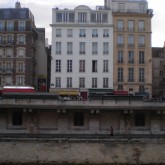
17	5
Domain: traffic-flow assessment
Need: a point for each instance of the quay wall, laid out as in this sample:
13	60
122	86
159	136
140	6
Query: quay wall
151	151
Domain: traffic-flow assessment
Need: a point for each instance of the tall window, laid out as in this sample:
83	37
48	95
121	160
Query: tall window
69	82
130	74
81	82
94	65
141	57
120	74
8	66
58	82
78	119
105	66
141	88
1	39
94	47
58	32
120	25
94	33
141	74
131	40
82	48
105	82
105	48
120	40
82	17
21	39
82	33
58	66
69	65
141	40
2	26
105	32
20	80
9	39
131	57
82	66
141	25
69	47
10	26
120	56
21	26
70	32
130	25
20	66
94	82
58	47
99	17
17	118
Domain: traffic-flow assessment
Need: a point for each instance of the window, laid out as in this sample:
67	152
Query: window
142	8
82	17
69	47
82	66
130	25
82	48
1	66
105	82
21	26
130	74
1	52
94	33
105	48
94	65
161	63
0	79
9	39
82	33
20	80
9	52
1	39
21	39
69	82
58	82
58	47
139	119
7	80
120	25
2	26
141	41
69	65
78	119
99	17
94	82
105	66
120	56
8	66
105	32
141	88
120	87
161	73
20	66
94	47
141	74
10	26
58	65
141	57
58	32
141	25
64	17
58	17
130	40
17	118
120	74
21	52
131	57
70	32
121	7
81	82
120	40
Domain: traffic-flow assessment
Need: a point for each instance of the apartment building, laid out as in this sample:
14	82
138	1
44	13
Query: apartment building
17	46
158	61
132	45
82	49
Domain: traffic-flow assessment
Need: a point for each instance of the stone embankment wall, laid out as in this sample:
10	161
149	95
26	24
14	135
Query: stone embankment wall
65	152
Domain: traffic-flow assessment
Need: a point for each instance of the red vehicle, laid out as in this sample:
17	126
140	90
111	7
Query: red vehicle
18	89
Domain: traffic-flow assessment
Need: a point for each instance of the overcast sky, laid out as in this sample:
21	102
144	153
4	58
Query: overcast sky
42	11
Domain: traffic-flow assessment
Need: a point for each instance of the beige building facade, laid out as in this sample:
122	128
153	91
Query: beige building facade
132	45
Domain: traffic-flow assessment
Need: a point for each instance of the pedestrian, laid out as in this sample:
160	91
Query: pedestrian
111	131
